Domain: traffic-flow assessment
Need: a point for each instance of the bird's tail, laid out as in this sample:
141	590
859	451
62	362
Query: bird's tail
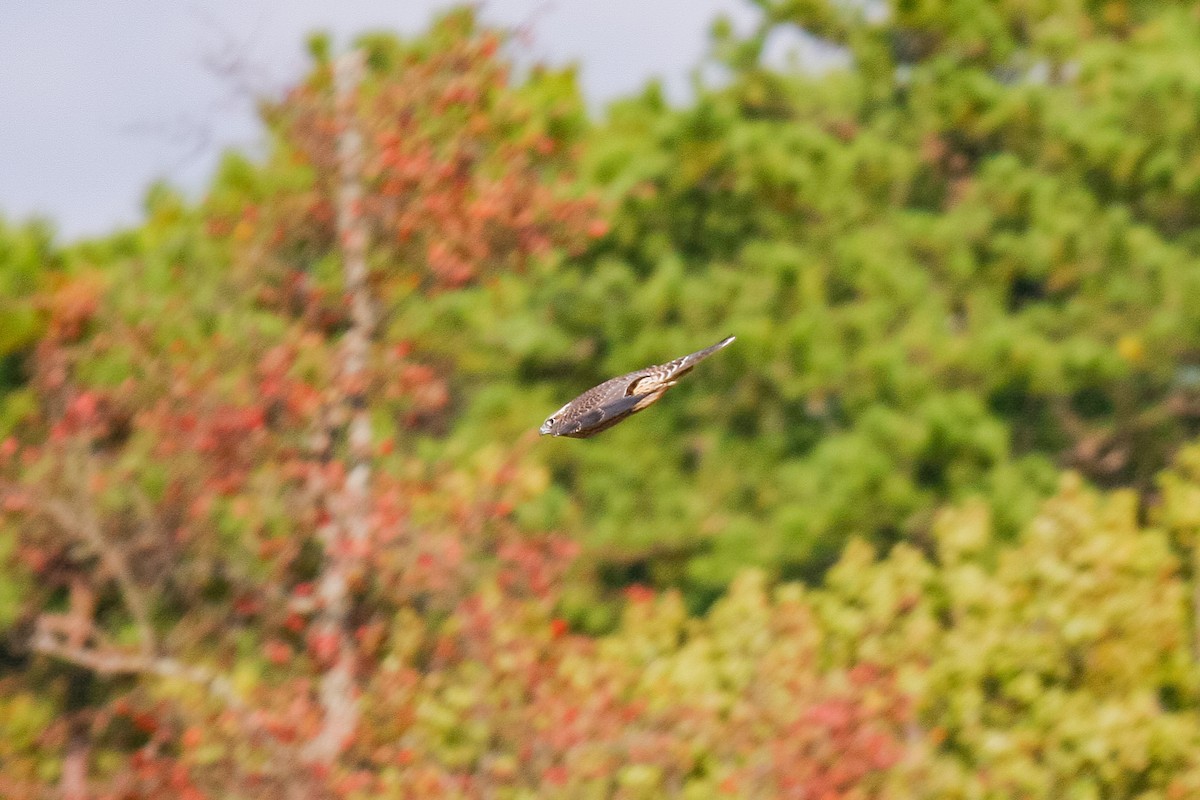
692	359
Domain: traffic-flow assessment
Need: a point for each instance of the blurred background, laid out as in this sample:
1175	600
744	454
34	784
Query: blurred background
285	294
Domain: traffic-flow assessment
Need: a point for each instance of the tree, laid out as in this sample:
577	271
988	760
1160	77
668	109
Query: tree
197	505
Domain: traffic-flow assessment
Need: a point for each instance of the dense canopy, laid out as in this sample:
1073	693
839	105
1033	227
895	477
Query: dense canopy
275	519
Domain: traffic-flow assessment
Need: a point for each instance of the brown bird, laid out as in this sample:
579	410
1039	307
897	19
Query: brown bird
603	406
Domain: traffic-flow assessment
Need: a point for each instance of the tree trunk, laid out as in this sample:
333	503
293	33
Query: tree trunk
346	532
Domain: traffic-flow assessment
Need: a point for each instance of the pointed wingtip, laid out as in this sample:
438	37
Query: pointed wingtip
728	340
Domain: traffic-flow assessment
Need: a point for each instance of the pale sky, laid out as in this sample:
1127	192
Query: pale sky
98	98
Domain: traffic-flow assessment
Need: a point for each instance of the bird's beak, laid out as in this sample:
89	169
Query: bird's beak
544	429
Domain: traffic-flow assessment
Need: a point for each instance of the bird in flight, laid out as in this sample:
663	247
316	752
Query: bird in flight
603	406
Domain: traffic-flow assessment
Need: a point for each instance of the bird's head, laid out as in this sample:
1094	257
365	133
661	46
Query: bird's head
558	424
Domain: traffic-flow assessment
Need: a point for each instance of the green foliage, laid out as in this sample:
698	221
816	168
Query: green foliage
959	264
29	263
1063	661
27	257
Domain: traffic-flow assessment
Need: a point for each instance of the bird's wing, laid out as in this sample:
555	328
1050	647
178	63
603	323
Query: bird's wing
605	416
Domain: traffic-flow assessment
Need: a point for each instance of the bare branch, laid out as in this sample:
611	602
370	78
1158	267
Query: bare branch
78	748
115	662
82	524
112	662
348	530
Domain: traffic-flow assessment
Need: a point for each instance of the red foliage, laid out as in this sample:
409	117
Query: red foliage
461	176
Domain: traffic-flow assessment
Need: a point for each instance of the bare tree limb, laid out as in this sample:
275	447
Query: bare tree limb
112	662
78	520
348	529
115	662
73	776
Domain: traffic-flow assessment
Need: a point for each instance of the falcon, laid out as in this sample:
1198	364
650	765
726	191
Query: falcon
603	406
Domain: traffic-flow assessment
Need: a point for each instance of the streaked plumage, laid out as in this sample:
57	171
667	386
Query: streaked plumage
603	406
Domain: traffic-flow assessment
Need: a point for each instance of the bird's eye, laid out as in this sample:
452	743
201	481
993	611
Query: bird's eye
550	421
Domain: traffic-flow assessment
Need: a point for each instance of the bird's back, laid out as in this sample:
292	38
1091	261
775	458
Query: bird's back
606	404
673	370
